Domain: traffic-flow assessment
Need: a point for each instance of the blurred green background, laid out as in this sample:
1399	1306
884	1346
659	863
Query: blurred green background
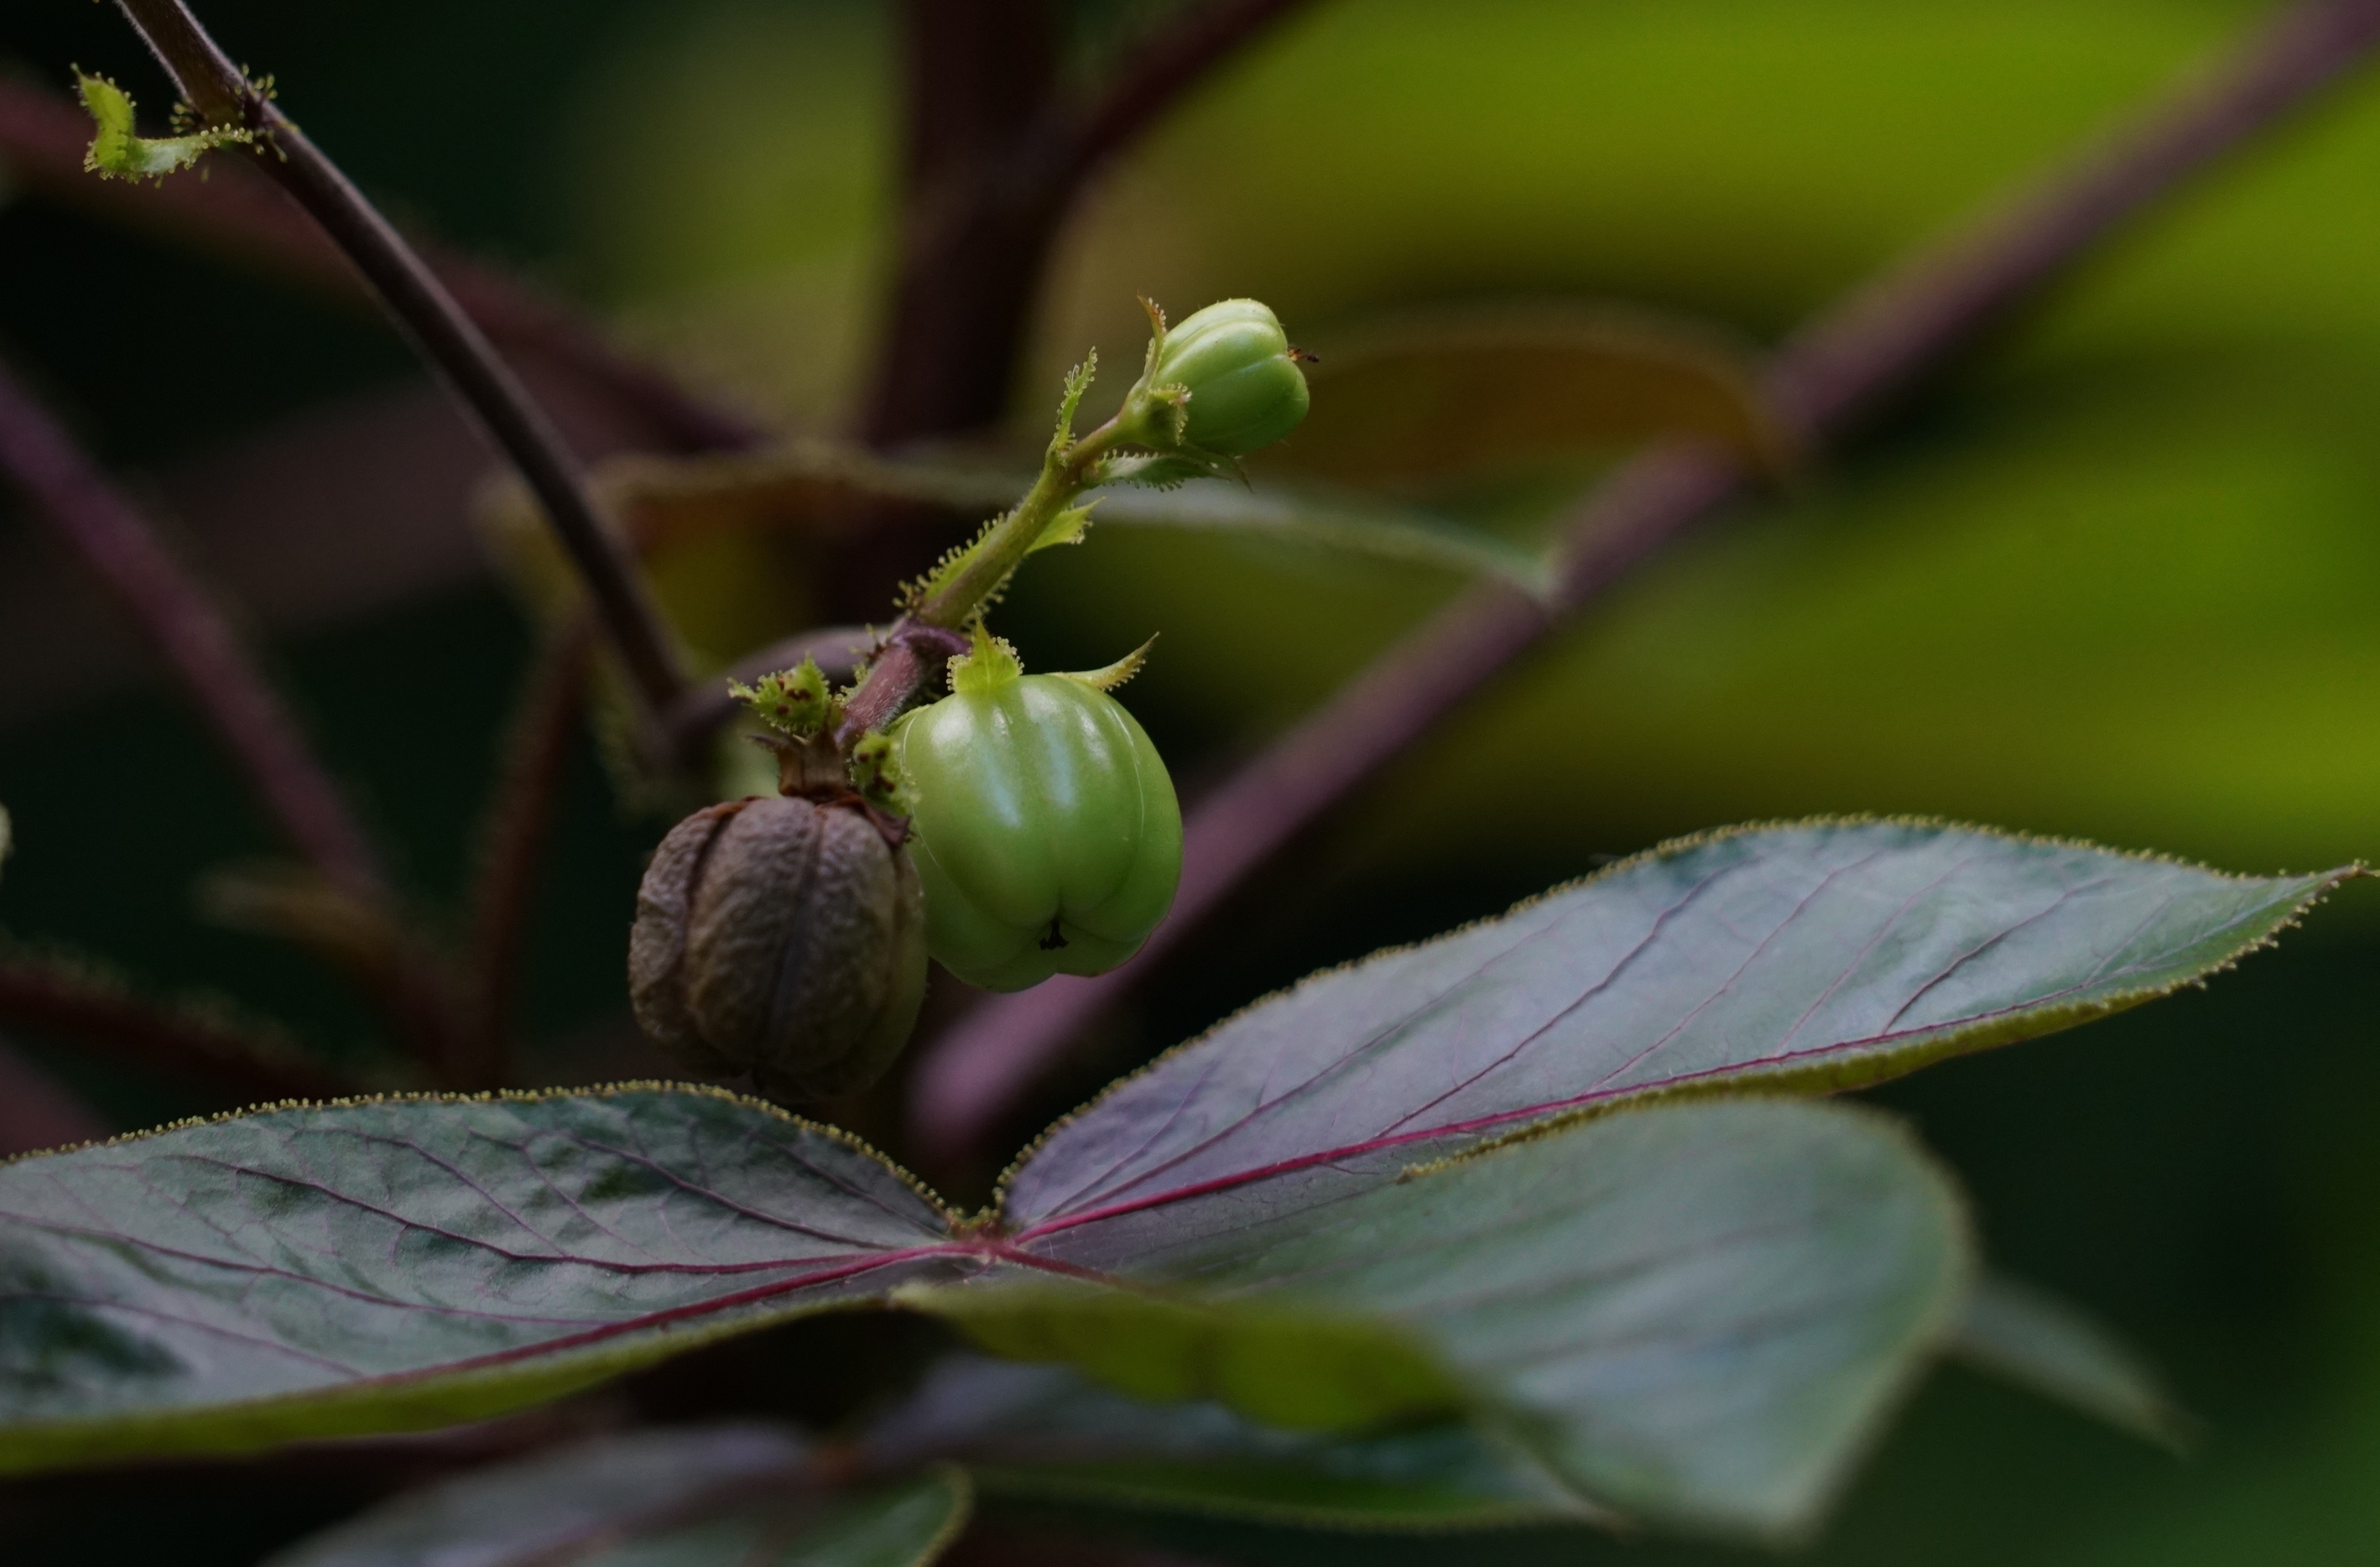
2116	580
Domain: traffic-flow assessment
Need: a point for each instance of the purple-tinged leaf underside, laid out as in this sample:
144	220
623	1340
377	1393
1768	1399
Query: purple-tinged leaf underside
562	1503
724	1496
408	1263
1691	1314
1810	957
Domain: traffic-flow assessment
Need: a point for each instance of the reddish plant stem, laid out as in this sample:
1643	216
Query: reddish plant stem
535	753
978	207
915	655
1874	348
446	336
35	994
238	214
194	635
191	631
1178	54
995	156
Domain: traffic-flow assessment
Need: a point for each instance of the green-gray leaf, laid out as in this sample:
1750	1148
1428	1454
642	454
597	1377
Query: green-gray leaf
1326	520
2037	1340
730	1495
1824	956
1694	1313
810	482
906	1524
409	1263
1042	1431
564	1503
310	1271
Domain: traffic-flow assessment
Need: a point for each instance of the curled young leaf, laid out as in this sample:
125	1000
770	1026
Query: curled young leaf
119	151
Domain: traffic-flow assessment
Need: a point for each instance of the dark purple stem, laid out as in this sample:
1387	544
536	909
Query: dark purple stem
438	328
537	751
57	998
1146	85
1871	350
994	156
913	657
94	521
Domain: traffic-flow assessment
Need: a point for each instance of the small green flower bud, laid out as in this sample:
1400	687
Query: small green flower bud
1246	389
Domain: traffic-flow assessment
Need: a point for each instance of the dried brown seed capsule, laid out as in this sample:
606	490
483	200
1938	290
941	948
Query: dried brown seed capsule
783	937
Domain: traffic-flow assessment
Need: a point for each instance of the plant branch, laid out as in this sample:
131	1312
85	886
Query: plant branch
194	635
536	749
1875	348
60	999
223	96
1178	54
997	155
236	214
192	632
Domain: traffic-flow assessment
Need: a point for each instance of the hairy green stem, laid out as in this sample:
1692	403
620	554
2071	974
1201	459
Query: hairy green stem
1065	475
916	648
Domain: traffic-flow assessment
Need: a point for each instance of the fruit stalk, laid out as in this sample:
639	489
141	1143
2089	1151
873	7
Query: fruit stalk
928	636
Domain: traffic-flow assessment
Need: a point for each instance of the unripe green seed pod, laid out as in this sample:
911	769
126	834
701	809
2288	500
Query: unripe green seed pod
1246	389
782	937
1046	832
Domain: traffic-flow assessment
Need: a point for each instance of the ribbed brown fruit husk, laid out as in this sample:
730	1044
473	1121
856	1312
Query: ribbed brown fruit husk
780	937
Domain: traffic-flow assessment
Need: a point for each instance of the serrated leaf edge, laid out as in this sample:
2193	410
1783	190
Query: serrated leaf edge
1780	1081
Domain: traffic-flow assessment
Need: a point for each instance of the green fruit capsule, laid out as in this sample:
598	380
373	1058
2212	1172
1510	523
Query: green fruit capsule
1046	834
1246	389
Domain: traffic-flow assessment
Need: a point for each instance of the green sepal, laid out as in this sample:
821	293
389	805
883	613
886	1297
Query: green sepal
1067	527
877	776
118	152
1167	471
991	663
1078	381
1115	675
794	701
